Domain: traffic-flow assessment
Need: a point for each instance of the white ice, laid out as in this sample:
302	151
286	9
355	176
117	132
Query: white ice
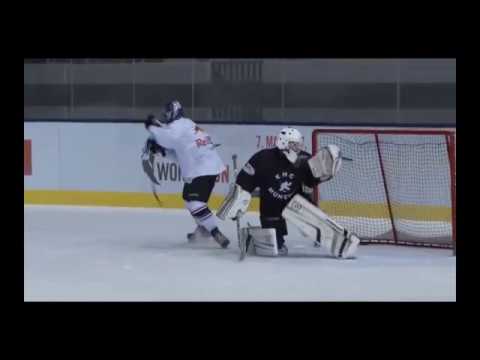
120	254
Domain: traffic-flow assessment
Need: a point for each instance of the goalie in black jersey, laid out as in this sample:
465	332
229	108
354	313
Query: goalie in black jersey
286	176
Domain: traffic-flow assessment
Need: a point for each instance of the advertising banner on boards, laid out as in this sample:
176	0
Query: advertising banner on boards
92	159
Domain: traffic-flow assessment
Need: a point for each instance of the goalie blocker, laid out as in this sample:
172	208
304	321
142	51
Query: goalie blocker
340	242
235	203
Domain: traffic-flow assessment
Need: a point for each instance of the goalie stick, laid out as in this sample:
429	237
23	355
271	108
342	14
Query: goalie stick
241	244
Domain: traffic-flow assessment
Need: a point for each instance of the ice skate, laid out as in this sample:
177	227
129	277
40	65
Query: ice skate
220	238
199	234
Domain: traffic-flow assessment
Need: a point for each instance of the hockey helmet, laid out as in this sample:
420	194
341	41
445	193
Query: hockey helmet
290	141
173	111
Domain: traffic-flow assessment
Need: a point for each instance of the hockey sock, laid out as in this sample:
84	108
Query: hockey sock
202	214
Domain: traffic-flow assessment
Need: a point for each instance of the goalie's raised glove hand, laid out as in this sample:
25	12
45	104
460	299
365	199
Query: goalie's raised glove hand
326	163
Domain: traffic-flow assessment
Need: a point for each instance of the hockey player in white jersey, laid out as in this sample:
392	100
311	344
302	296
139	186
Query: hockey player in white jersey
179	138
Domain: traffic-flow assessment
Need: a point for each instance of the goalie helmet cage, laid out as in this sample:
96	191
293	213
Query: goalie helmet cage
399	188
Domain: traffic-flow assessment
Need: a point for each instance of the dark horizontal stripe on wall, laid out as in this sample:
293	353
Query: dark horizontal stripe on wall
417	96
46	95
356	96
103	95
156	95
248	95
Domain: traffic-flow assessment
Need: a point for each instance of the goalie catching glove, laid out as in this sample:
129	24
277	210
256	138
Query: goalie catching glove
326	163
235	203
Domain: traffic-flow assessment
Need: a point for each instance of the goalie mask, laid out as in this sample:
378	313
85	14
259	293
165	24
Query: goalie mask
290	142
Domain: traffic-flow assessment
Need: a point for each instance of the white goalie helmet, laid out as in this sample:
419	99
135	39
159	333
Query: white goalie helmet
290	141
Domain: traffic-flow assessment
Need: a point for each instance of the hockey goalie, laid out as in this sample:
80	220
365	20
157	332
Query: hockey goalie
286	176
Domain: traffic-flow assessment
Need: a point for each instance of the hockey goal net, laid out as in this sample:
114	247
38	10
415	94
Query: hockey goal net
399	187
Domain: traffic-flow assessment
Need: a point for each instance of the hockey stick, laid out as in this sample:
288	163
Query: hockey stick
241	244
148	163
156	195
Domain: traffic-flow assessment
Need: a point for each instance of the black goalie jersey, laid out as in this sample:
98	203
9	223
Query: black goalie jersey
278	179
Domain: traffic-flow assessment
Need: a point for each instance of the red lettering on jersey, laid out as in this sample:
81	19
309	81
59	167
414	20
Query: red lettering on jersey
200	142
203	142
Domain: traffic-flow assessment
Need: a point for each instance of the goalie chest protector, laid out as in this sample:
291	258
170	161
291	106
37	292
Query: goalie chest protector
278	179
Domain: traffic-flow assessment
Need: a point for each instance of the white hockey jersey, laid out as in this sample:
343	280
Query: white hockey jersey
194	149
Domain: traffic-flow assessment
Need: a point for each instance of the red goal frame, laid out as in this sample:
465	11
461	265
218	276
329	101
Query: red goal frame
450	143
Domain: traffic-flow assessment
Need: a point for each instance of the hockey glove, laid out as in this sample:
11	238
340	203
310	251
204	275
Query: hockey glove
151	147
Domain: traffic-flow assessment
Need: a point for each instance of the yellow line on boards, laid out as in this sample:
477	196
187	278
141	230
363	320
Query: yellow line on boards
123	199
380	211
175	201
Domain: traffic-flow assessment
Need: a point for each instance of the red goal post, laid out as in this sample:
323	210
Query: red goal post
400	187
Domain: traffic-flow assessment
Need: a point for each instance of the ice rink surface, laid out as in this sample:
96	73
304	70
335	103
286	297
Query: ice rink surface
120	254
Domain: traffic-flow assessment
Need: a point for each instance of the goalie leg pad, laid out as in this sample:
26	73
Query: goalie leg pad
340	242
235	203
350	244
344	245
260	241
296	219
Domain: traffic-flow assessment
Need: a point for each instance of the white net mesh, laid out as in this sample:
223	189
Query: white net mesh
412	171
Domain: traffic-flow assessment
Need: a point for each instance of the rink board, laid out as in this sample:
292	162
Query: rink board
106	157
99	164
